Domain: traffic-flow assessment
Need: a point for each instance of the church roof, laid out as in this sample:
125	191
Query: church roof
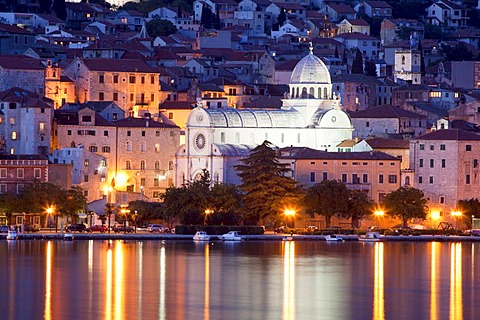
310	69
247	118
232	150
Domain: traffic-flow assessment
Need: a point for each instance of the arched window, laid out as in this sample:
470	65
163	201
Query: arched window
128	165
143	165
143	146
319	96
312	92
407	181
304	93
403	59
129	146
157	165
170	165
325	93
222	137
298	90
157	147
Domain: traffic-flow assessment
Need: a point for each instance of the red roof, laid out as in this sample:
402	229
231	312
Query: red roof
20	62
119	65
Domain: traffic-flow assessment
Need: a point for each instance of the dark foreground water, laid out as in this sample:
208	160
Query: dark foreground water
249	280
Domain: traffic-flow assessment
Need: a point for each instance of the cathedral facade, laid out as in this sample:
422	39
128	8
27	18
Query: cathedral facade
311	116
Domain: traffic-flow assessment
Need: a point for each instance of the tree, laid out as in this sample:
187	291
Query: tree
470	208
266	190
160	27
359	206
225	201
406	203
327	198
370	68
44	6
422	59
216	20
8	204
357	64
74	201
281	18
206	19
60	9
460	52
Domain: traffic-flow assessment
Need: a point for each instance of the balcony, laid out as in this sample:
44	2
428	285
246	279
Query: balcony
366	187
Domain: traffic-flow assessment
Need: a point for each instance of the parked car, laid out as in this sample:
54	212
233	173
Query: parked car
3	229
98	228
121	228
158	228
312	228
79	227
31	228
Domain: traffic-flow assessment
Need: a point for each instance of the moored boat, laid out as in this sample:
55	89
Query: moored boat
370	237
231	236
68	237
12	235
333	238
201	236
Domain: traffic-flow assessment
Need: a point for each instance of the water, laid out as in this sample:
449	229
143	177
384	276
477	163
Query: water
249	280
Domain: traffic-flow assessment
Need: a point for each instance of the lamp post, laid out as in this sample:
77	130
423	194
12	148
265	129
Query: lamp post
50	211
379	213
207	213
290	215
135	215
435	216
455	215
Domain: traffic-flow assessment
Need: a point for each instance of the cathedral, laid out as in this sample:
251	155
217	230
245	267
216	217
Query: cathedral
311	116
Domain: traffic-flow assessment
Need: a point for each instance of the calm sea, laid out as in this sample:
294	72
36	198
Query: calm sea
248	280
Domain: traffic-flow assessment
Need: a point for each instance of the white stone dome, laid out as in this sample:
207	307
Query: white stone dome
310	69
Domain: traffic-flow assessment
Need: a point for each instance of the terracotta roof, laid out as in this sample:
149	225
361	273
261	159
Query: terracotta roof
307	153
119	65
20	62
177	105
23	157
385	112
341	8
450	134
378	4
355	36
11	28
27	99
382	143
358	22
141	123
289	6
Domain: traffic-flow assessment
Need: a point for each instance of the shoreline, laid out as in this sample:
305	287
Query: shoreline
276	237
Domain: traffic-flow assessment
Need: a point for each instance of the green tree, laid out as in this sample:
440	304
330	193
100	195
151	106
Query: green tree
406	203
206	19
357	64
327	198
370	68
470	208
73	203
225	202
267	192
9	203
146	211
38	196
422	59
359	206
160	27
460	52
216	20
60	9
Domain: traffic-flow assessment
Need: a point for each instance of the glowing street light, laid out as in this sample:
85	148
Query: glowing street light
207	213
50	210
456	214
378	214
290	215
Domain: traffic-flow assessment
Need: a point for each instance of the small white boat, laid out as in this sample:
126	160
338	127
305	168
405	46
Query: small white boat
201	236
333	238
370	237
231	236
12	235
68	237
287	239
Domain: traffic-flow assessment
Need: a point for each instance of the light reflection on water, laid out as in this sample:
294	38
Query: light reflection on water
249	280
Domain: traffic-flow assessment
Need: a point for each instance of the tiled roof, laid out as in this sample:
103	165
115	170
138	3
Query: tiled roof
20	62
286	65
11	28
141	123
356	78
385	112
378	4
23	157
383	143
450	134
26	98
289	6
210	87
358	22
264	102
341	8
118	65
355	36
70	118
307	153
177	105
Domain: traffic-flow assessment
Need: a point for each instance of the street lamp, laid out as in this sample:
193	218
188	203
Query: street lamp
455	215
207	213
290	214
50	211
125	211
135	215
378	213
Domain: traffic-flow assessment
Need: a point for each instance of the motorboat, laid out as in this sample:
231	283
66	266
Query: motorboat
370	237
201	236
333	238
12	235
287	239
68	237
231	236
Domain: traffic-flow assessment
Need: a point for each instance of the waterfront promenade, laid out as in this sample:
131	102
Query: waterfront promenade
266	237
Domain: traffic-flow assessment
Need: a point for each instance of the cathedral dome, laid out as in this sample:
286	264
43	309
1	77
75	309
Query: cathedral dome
310	70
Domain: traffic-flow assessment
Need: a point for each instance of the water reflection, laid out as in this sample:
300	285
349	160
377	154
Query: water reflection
433	282
48	283
108	284
456	307
289	281
162	284
378	283
206	311
119	281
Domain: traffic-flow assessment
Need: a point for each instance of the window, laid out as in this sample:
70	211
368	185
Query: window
430	179
93	149
12	120
432	162
129	133
14	135
3	172
442	147
3	188
41	126
392	178
156	182
421	163
312	176
20	188
443	163
105	133
170	115
170	165
20	173
355	178
380	178
365	178
467	179
422	147
344	177
325	176
157	165
142	79
85	178
115	78
128	165
432	147
475	163
131	97
101	96
101	78
420	179
143	146
131	79
106	149
442	199
142	182
152	79
69	132
142	165
115	96
143	133
129	146
468	147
